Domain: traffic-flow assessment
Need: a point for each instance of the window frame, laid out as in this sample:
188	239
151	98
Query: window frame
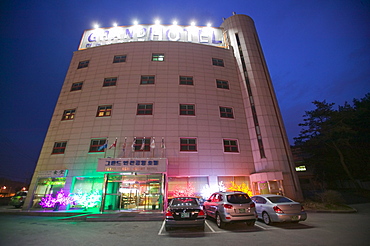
110	81
228	147
187	111
186	147
77	86
186	80
147	79
69	115
94	148
59	148
222	84
226	115
146	110
119	58
107	112
83	64
158	57
218	62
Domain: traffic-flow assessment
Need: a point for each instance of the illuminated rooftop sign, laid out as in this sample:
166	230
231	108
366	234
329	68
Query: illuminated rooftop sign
122	34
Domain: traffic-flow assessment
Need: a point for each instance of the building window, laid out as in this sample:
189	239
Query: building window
59	147
226	112
142	144
83	64
144	109
110	81
218	62
96	145
186	80
118	59
76	86
147	79
187	109
69	114
157	57
188	144
231	145
103	111
222	84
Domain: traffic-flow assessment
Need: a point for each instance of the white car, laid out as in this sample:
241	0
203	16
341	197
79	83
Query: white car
275	208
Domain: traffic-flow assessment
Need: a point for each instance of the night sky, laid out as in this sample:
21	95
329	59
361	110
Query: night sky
315	50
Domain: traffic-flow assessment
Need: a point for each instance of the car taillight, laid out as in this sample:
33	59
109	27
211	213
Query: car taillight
21	198
201	213
302	208
277	210
169	214
252	205
228	206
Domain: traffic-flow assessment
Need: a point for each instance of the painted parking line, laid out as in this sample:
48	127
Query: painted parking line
161	230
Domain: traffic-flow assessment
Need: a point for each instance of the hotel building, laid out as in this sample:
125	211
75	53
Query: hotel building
149	112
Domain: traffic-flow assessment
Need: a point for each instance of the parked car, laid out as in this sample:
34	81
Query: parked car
184	212
18	199
228	207
275	208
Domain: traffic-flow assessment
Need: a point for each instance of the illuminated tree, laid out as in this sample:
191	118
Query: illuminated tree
243	188
183	192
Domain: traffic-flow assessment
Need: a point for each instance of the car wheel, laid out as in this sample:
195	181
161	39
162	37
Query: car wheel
266	218
219	221
250	223
17	206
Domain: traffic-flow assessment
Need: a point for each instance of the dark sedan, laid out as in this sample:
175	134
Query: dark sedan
185	212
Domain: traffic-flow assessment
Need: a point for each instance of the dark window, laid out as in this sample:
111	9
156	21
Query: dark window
110	81
188	144
230	145
157	57
187	109
59	147
186	80
76	86
83	64
226	112
218	62
142	144
118	59
222	84
69	114
96	145
147	79
103	111
144	109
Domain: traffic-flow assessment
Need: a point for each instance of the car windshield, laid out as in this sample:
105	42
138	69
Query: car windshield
238	198
181	201
279	199
21	193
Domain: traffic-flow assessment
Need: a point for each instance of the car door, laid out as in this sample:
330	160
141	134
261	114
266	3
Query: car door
259	201
208	206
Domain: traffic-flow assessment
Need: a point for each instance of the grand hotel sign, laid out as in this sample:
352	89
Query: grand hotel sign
147	165
193	34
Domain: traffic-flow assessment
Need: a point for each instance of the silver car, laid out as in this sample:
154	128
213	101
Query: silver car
275	208
184	212
228	207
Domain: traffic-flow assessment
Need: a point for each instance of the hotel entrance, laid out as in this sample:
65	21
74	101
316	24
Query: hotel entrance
137	192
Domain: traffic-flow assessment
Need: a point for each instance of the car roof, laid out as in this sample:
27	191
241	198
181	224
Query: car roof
268	195
229	192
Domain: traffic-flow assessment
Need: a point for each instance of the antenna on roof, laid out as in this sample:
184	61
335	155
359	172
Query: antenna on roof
234	13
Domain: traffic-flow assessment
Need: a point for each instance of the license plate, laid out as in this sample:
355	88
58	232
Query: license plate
241	210
295	217
185	215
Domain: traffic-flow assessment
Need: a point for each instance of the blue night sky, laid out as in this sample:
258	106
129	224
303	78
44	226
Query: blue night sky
315	50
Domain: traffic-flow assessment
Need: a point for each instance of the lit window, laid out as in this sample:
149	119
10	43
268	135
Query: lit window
186	80
158	57
104	111
145	80
83	64
110	81
226	112
118	59
59	147
76	86
188	144
187	109
230	145
222	84
144	109
218	62
96	144
69	114
139	146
